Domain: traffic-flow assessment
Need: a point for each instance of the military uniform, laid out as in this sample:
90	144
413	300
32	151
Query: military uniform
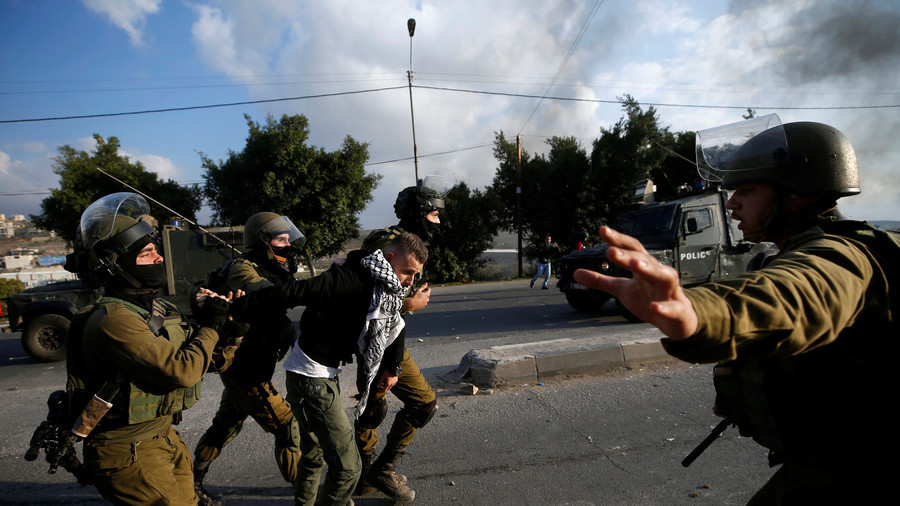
134	454
249	390
805	339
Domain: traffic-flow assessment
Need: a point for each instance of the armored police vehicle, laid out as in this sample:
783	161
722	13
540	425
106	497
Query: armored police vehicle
43	313
693	233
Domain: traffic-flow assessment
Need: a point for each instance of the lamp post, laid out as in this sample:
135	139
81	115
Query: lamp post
411	26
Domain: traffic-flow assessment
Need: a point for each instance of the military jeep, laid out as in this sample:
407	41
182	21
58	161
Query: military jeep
693	233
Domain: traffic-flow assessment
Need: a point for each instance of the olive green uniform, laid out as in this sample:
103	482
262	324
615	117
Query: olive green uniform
412	389
807	338
249	390
134	454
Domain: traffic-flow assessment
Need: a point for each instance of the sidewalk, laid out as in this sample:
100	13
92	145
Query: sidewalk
539	361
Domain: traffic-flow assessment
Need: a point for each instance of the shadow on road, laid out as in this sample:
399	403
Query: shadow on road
11	351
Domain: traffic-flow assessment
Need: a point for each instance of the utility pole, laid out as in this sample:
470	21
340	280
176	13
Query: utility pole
411	26
519	200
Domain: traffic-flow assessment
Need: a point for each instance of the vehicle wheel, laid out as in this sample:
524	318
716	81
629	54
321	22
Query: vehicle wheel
44	337
627	314
585	302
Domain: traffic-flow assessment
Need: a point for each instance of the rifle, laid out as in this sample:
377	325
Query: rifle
716	432
57	441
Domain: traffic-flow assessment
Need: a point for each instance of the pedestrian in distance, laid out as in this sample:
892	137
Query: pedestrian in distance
548	251
801	343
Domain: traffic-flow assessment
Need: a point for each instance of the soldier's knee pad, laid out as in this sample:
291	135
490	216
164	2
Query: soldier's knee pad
375	413
419	415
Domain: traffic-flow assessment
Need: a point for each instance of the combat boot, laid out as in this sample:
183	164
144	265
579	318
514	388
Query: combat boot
204	498
363	487
383	475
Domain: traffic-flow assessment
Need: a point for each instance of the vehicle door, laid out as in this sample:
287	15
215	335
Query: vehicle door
700	244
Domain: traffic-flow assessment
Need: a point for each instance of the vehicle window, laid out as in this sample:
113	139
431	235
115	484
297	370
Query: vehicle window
702	216
648	221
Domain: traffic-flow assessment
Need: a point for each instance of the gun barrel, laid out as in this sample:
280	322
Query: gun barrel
716	432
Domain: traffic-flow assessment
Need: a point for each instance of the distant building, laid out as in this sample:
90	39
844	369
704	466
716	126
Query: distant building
10	226
20	259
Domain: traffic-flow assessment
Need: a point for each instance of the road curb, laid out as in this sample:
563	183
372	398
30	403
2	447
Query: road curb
544	360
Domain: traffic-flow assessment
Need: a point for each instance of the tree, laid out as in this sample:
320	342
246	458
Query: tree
80	184
468	227
321	192
622	157
569	190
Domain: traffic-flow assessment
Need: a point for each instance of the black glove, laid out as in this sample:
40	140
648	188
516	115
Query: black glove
214	313
241	309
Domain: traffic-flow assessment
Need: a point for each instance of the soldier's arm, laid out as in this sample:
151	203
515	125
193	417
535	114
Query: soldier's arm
242	275
331	284
802	300
122	337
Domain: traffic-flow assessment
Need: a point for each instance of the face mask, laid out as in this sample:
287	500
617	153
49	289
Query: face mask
151	277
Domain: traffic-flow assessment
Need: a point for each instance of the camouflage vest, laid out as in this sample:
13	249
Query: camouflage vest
134	403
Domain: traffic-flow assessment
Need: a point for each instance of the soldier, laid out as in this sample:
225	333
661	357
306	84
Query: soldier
418	208
141	353
799	341
273	245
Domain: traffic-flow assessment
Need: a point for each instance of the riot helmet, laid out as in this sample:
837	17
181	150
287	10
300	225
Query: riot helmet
805	158
113	233
415	203
262	228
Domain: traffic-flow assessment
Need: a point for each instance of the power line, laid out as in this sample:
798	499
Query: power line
196	107
568	56
440	88
665	104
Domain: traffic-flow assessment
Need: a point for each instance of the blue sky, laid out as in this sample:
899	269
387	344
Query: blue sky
703	62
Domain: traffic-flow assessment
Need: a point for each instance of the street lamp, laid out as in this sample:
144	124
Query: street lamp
411	26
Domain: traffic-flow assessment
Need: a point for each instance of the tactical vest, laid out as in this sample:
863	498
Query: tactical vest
134	403
804	407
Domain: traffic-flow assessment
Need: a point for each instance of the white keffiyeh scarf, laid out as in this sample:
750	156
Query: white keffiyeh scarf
383	321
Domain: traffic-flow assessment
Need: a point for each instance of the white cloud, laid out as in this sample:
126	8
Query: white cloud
162	166
129	15
214	36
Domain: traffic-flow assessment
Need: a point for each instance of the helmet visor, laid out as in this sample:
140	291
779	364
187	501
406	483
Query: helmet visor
281	226
98	222
719	154
437	184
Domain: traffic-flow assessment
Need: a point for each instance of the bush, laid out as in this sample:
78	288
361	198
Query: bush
8	287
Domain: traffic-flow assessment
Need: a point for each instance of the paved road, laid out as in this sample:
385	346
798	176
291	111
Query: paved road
611	439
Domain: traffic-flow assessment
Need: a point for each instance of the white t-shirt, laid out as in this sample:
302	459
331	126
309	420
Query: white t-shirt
300	363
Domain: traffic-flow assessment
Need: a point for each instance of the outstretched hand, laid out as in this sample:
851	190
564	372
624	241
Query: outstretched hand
654	292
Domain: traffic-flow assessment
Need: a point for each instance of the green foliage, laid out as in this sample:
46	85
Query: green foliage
8	287
321	192
80	184
570	190
468	227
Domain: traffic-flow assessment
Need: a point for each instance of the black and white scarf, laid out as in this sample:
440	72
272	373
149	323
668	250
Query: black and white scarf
383	321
